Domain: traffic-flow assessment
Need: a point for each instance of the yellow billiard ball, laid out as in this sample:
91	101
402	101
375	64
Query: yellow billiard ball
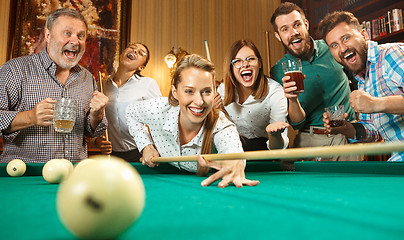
101	199
55	171
16	168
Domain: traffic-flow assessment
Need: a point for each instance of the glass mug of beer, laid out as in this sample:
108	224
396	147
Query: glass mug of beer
293	69
64	114
336	115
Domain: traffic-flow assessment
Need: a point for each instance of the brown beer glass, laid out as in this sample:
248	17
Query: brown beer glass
293	69
336	115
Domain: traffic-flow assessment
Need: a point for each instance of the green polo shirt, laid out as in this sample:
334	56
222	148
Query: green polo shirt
325	85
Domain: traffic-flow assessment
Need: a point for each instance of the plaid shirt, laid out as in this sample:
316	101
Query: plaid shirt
384	77
24	82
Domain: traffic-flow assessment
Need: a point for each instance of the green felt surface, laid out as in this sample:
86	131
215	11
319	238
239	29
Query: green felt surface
286	205
395	168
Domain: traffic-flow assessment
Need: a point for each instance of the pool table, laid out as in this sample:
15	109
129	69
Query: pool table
320	200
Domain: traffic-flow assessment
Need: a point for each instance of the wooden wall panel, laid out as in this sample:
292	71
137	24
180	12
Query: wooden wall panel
4	19
163	24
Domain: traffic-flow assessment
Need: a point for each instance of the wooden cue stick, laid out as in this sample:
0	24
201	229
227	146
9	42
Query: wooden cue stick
207	50
268	52
297	153
102	91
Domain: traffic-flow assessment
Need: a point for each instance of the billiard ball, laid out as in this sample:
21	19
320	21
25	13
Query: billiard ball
82	163
101	199
69	165
16	168
55	171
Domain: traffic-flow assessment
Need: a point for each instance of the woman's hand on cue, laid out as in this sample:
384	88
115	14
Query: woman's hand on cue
148	153
230	171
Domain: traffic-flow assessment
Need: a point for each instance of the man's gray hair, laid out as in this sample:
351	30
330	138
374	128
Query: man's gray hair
50	21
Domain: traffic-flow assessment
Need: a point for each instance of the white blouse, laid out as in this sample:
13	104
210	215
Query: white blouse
135	89
253	116
162	119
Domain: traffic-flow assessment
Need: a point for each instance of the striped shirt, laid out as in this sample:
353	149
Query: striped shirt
24	82
384	77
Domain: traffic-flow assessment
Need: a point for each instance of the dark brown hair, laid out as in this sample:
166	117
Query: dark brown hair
196	61
333	19
260	88
284	9
147	56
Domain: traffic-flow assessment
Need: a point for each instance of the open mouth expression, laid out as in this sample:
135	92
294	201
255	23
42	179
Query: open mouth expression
71	52
131	56
246	75
296	42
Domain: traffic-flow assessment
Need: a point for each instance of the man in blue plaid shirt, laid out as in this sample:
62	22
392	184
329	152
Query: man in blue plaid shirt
29	86
379	70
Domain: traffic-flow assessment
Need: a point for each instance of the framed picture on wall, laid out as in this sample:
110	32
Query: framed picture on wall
108	29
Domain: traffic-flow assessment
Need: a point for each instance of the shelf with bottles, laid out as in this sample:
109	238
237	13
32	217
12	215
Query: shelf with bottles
386	27
397	36
364	10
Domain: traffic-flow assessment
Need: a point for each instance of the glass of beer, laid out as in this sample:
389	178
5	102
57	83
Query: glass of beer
293	69
64	114
336	115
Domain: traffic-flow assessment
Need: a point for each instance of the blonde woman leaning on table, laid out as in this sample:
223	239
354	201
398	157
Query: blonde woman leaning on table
186	123
126	86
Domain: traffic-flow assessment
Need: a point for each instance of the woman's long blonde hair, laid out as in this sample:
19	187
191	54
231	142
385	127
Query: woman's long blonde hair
198	62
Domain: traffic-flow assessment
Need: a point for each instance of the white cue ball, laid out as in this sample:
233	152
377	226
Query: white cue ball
55	171
69	165
82	163
101	199
16	168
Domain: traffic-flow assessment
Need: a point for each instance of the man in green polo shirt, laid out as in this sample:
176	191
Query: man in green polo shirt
325	84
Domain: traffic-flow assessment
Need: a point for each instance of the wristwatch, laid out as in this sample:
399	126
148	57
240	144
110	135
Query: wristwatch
360	131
